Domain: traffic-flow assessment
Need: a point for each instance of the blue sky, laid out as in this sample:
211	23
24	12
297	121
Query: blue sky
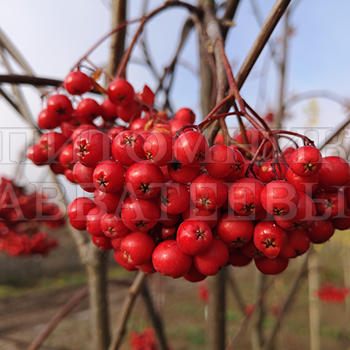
52	35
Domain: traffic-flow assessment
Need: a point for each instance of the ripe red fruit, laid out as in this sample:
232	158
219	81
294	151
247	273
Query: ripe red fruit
48	120
279	198
108	110
334	172
66	157
270	171
87	110
77	83
238	166
91	147
109	202
168	232
108	176
305	161
297	244
307	184
93	221
123	260
320	231
238	258
209	217
185	115
127	147
103	243
112	226
144	180
121	92
139	214
271	266
244	196
138	246
77	211
83	176
175	198
169	260
194	237
183	173
213	259
208	192
193	275
158	148
191	147
113	132
176	125
68	128
52	144
59	107
129	112
269	238
138	124
330	204
235	231
220	161
37	155
254	138
80	129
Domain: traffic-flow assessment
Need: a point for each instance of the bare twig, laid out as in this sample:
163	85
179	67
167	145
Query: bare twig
288	302
236	292
230	11
155	317
118	11
66	309
336	133
134	290
272	20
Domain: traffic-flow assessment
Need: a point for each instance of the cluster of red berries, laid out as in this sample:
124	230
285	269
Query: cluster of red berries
166	201
332	294
22	217
145	340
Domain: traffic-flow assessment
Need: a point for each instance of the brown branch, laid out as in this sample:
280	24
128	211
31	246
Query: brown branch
272	20
155	317
10	100
336	133
229	14
288	302
28	80
237	293
116	51
125	312
56	319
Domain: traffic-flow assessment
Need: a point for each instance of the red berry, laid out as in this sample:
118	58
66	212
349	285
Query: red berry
108	176
77	83
91	147
297	244
87	110
320	231
183	173
121	92
334	172
103	243
158	148
305	161
220	161
127	147
176	125
270	171
113	227
108	110
238	258
175	198
124	261
269	238
144	180
185	115
93	221
208	193
210	217
83	176
139	214
194	237
77	211
66	157
113	132
48	120
138	246
37	155
213	259
235	231
138	124
52	144
169	260
193	275
307	184
244	196
191	147
80	129
330	204
59	107
109	202
271	266
279	198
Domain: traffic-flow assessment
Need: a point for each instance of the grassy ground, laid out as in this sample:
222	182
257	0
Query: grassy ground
26	309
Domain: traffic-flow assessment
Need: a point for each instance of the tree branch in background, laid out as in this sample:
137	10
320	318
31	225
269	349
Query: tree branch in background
116	51
230	11
125	312
236	292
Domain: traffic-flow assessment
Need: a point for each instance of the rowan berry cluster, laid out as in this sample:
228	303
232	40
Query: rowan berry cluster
22	218
166	201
